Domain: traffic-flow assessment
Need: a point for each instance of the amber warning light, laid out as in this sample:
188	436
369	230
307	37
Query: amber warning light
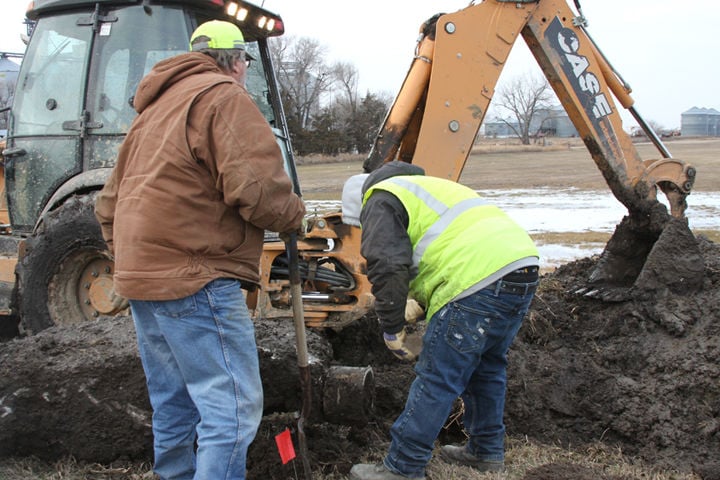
261	19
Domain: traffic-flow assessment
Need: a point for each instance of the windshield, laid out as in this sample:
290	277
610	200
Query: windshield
49	89
122	61
257	85
125	50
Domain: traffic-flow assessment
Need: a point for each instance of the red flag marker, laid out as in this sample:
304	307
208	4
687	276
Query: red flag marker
284	444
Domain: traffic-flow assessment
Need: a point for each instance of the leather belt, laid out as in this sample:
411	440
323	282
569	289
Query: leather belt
523	275
522	281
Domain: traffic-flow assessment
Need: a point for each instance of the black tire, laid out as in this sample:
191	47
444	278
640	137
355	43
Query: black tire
60	260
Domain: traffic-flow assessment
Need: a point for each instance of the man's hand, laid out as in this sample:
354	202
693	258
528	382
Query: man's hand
413	311
301	232
395	342
117	302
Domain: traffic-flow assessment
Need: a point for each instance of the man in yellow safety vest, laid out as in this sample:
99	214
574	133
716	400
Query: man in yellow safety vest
475	272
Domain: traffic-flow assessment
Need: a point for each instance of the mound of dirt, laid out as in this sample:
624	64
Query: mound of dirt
640	374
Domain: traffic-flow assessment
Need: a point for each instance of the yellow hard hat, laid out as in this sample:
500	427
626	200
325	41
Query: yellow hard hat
217	35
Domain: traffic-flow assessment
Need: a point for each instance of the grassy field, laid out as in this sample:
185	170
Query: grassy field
523	460
504	165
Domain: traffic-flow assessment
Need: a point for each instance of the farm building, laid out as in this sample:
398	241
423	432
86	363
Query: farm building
700	122
551	122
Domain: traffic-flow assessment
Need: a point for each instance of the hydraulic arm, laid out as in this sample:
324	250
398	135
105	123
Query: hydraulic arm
459	58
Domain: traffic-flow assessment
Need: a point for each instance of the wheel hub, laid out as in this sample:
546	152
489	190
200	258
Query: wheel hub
95	289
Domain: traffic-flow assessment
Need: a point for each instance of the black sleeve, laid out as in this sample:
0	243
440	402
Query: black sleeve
388	252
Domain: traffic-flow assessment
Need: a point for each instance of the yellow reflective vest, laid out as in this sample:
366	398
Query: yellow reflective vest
460	242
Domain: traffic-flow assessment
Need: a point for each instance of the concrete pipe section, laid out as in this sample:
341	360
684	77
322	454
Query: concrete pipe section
349	395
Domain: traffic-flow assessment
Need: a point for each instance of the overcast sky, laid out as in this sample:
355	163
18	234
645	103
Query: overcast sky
667	50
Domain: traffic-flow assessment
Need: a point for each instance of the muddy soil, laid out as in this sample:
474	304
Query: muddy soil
640	374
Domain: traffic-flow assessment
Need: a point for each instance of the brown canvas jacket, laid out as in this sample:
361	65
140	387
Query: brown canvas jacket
198	179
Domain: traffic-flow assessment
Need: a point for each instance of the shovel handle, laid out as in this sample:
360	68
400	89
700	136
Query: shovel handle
301	345
296	297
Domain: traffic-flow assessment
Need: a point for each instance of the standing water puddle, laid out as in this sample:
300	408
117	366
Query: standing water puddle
558	219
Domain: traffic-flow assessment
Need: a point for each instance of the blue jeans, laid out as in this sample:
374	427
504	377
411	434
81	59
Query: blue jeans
464	355
203	378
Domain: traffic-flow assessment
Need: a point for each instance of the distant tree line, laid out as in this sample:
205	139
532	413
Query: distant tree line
324	109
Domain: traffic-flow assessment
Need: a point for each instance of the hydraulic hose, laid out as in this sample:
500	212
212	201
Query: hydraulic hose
321	274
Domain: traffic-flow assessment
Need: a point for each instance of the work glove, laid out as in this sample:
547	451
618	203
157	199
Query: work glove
395	342
118	303
301	232
413	311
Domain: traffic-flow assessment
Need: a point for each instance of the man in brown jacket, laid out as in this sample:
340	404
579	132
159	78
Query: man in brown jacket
198	179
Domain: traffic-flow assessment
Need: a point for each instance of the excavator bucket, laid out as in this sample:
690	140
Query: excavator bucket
647	254
675	261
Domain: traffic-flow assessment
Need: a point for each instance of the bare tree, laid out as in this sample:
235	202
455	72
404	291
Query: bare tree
657	127
303	75
524	97
346	77
325	112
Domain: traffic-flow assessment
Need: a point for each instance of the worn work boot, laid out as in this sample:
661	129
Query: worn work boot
366	471
460	456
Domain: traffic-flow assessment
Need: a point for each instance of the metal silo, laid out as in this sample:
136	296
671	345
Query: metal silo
700	122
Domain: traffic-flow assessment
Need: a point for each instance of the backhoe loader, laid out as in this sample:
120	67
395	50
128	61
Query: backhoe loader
73	105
